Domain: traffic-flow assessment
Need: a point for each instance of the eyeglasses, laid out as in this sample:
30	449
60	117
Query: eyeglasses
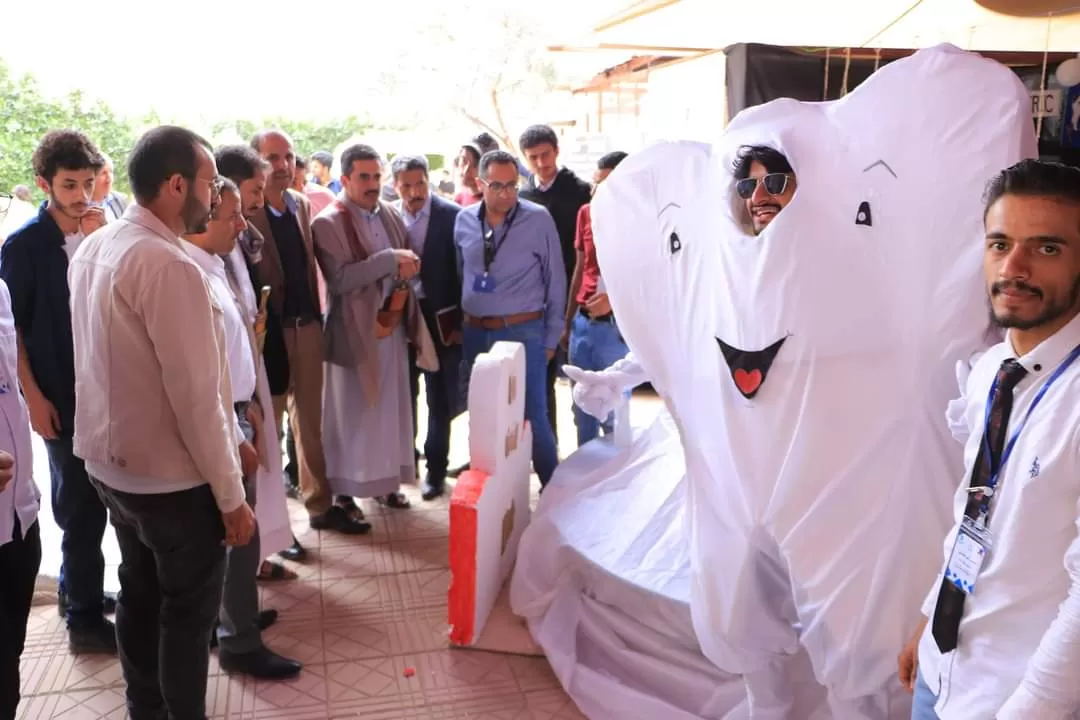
216	183
499	188
775	184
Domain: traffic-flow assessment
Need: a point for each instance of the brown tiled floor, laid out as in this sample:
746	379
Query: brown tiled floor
363	610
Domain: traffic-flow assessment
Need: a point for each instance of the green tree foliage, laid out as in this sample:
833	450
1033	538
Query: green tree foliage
308	137
26	115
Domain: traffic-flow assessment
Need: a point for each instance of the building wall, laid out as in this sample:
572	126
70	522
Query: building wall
686	100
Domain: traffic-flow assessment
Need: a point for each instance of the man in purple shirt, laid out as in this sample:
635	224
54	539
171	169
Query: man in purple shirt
513	288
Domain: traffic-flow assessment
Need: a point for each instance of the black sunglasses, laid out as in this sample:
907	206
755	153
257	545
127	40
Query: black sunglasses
775	184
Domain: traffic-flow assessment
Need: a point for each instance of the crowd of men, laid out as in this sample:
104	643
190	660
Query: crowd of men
158	344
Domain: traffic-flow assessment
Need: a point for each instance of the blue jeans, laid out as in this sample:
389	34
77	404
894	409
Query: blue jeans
81	517
594	345
545	456
922	705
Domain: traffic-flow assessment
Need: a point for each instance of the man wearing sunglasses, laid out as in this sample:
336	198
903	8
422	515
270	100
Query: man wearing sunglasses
765	182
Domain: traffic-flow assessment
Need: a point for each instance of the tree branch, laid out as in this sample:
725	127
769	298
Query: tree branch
477	121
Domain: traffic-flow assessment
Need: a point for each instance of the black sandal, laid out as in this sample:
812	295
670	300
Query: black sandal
350	507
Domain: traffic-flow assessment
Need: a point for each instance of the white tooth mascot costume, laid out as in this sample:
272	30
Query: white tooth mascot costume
808	368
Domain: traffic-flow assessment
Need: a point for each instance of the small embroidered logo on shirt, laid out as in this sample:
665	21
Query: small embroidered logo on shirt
1034	472
4	387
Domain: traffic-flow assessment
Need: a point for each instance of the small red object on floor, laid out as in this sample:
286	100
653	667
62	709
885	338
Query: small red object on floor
410	671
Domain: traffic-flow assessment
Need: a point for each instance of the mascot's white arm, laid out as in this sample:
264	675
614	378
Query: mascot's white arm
599	393
956	413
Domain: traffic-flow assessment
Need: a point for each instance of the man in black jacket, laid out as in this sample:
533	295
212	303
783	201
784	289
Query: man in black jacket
430	223
563	193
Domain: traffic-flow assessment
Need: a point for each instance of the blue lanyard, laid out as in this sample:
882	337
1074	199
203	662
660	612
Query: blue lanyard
995	473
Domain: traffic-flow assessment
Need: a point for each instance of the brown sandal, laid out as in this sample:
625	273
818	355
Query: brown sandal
396	501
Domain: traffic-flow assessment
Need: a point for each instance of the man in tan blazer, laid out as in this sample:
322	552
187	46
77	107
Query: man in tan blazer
293	352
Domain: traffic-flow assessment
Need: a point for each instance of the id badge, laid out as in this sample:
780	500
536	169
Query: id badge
484	283
968	555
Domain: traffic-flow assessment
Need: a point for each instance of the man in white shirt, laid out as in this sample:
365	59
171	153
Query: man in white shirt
1002	639
20	539
239	632
154	421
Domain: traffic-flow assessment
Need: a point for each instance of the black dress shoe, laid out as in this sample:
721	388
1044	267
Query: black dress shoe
454	472
96	639
265	619
339	520
294	552
108	603
263	663
433	487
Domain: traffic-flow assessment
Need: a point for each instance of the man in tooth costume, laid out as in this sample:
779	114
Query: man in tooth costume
808	369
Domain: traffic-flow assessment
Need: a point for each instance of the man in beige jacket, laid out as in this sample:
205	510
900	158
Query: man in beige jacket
152	424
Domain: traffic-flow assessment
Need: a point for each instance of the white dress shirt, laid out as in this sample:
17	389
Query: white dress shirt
417	227
1018	656
238	348
21	497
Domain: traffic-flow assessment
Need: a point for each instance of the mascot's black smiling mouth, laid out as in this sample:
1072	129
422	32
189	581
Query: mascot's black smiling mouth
749	368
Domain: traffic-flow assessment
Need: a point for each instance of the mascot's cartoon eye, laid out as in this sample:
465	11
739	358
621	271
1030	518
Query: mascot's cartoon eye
863	216
674	243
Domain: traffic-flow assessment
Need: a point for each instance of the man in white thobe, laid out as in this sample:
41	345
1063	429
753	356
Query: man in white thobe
363	250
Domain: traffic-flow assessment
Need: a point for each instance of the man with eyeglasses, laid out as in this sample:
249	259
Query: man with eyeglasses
154	424
764	181
239	631
513	288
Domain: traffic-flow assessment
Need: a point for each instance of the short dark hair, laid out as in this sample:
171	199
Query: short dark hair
496	157
771	159
301	163
357	152
538	135
1037	178
227	185
65	150
324	158
486	142
611	160
239	162
408	163
473	151
159	154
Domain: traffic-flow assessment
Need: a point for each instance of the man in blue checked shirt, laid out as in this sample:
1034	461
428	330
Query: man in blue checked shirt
513	288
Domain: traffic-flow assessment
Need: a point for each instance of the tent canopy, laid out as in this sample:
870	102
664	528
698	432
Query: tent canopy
836	23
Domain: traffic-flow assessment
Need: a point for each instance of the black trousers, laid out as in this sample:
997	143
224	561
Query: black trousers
171	572
20	560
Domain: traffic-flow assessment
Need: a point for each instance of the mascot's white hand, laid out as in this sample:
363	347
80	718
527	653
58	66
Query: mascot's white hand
956	412
599	393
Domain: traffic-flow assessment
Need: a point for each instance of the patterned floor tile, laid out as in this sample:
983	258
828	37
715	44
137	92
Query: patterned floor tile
367	617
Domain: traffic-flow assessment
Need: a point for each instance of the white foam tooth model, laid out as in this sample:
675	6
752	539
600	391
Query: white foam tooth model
809	368
489	508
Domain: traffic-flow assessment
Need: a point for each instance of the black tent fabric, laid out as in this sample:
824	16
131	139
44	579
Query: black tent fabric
756	74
